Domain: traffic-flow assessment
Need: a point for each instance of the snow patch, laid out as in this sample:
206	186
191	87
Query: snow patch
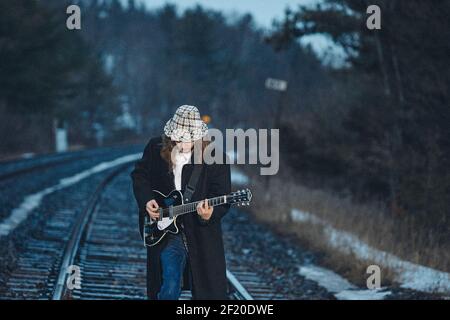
409	275
28	155
340	287
325	278
238	177
375	294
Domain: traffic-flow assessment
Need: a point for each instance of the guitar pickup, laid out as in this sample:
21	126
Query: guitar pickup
160	214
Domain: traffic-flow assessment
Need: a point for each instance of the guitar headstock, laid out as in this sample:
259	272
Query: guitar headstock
240	197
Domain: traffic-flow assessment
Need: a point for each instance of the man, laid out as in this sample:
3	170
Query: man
195	256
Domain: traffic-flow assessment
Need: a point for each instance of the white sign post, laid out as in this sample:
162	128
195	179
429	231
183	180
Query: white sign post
61	143
276	84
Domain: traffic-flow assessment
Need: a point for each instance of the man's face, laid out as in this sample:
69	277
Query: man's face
184	146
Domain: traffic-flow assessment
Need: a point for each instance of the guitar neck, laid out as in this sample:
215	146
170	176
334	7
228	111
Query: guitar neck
192	206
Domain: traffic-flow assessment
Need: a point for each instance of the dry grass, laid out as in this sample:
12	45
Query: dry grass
369	222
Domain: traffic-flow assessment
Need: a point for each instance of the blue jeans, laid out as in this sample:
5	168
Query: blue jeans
173	261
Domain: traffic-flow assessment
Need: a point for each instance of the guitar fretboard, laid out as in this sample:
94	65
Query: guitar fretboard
192	206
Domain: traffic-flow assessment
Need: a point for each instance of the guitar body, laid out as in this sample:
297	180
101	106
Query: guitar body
156	230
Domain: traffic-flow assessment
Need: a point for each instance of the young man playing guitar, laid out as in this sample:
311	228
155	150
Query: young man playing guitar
191	254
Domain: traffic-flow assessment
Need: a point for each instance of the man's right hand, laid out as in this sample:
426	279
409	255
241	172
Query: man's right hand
152	209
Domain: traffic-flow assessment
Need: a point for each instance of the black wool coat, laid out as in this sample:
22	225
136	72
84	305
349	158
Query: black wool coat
206	259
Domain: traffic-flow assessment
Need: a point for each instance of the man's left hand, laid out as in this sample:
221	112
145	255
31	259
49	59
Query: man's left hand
204	210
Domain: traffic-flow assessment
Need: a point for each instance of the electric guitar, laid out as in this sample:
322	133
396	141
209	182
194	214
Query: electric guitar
172	205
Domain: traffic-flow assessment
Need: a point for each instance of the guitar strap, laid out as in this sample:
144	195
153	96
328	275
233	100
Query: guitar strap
192	183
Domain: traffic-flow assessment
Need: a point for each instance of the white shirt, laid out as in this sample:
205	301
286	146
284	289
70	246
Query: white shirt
181	158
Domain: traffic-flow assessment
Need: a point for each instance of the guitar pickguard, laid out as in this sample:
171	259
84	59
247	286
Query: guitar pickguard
164	223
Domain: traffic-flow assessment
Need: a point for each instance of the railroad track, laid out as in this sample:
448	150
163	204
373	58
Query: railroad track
41	260
41	166
102	243
110	258
11	169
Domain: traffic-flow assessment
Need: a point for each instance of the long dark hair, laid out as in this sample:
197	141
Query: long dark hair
168	145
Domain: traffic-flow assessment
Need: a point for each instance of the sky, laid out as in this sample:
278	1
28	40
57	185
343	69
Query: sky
263	11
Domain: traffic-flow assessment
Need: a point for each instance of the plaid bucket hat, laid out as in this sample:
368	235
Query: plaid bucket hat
186	125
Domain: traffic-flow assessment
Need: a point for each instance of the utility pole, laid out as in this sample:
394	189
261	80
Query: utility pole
280	86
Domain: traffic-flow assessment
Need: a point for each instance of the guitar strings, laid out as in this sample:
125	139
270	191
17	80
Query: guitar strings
190	207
